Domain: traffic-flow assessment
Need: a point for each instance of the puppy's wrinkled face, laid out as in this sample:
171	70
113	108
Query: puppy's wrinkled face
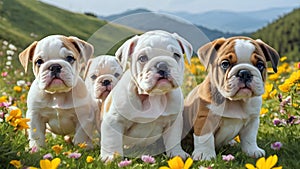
239	69
55	64
157	64
103	74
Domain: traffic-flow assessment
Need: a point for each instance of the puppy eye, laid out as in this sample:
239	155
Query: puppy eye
116	74
177	56
39	62
70	59
260	65
93	77
143	58
225	64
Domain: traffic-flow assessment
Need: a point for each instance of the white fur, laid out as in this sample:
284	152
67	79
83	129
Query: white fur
243	49
133	121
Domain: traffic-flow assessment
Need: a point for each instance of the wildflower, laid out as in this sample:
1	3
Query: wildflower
89	159
5	43
262	163
82	145
177	163
10	52
276	146
12	47
47	164
57	148
22	124
17	88
283	58
298	65
48	156
237	139
3	99
15	119
124	163
74	155
263	111
15	163
148	159
277	121
228	157
21	83
4	74
9	58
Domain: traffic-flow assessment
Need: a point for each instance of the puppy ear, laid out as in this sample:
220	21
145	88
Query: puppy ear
26	55
207	53
123	54
87	68
85	49
186	47
270	54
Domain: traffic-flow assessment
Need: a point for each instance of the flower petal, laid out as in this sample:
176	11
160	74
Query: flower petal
271	161
45	164
249	166
260	163
55	163
164	167
176	163
188	163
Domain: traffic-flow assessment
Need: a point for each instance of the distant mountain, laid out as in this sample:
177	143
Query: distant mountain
284	35
235	22
144	20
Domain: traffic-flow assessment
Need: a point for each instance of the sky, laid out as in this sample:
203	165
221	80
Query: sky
109	7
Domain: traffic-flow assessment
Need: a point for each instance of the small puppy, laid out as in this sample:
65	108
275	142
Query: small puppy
58	97
101	75
147	102
228	102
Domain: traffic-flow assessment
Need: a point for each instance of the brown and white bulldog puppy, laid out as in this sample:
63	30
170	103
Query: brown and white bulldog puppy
228	102
101	76
147	102
58	97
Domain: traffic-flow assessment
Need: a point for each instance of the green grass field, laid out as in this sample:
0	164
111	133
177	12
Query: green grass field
276	108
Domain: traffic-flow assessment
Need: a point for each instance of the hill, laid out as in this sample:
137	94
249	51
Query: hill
143	19
22	22
235	22
284	35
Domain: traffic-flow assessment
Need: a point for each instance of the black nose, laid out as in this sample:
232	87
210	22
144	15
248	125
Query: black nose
244	75
105	83
162	69
55	69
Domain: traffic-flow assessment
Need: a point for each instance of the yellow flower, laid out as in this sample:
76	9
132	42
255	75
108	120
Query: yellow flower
17	88
263	111
22	124
14	114
283	58
89	159
15	163
274	76
273	93
47	164
82	145
177	163
3	99
262	163
237	139
57	148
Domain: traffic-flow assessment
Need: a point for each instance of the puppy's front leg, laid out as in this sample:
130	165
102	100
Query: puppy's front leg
248	138
37	127
111	137
172	139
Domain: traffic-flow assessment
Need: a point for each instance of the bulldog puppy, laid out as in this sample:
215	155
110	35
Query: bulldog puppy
147	102
101	75
228	102
58	97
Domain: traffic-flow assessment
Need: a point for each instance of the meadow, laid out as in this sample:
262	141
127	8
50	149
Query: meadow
278	135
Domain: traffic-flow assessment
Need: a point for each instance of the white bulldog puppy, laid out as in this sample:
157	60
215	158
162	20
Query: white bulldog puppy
228	102
147	102
101	76
58	96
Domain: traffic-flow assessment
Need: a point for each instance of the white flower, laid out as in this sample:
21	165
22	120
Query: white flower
9	58
8	63
12	47
10	52
5	43
21	82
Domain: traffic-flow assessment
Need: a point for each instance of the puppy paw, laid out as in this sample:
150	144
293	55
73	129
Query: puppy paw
180	153
200	155
255	152
107	158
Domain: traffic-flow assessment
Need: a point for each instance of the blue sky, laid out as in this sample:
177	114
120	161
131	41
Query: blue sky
108	7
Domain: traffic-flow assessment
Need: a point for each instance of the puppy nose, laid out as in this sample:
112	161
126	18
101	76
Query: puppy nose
162	69
244	75
105	83
55	68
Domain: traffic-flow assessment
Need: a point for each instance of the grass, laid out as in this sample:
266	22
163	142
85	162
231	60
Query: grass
14	144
